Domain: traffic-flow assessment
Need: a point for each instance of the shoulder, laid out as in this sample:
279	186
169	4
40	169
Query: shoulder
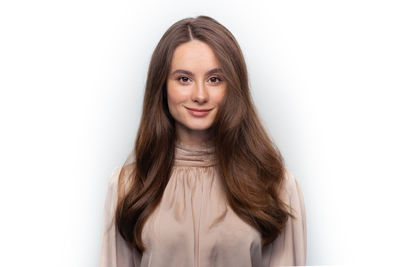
290	185
292	195
289	180
115	175
120	177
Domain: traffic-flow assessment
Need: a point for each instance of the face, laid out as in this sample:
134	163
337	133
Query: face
195	88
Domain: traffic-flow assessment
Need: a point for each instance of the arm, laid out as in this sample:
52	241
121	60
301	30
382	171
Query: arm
114	250
290	247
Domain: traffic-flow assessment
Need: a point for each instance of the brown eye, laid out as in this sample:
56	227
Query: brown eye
183	78
215	79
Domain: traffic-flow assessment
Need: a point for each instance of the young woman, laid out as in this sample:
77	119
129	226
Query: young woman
204	184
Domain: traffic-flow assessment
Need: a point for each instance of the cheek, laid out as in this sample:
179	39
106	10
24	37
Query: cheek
219	96
174	98
177	93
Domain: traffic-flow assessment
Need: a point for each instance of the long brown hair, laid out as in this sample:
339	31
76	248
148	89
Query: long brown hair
250	165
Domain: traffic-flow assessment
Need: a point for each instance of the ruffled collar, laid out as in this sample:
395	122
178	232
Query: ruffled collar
194	155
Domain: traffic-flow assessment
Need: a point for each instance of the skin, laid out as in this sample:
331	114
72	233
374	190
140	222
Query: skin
198	90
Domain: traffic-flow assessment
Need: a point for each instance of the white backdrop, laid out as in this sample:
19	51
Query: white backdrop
324	76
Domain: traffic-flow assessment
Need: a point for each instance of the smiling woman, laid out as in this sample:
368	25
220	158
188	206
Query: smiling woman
204	184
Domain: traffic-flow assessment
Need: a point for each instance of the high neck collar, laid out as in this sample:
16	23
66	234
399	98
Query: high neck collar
202	155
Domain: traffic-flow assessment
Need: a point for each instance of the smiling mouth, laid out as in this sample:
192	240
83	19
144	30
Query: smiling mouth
199	113
201	110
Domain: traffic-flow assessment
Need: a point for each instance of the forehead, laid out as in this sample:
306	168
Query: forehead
196	56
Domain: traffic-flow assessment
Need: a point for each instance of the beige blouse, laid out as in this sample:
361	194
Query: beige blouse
194	226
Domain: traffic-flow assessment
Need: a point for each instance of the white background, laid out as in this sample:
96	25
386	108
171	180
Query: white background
324	76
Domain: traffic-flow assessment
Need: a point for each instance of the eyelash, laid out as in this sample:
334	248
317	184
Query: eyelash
220	80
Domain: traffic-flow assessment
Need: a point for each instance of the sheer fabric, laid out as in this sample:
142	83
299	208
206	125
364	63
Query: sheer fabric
194	226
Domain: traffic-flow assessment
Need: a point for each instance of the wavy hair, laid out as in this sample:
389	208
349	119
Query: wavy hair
249	163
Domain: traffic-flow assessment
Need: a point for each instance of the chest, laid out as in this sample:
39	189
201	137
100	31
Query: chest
194	221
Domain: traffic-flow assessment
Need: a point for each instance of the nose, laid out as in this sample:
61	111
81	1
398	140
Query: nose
199	93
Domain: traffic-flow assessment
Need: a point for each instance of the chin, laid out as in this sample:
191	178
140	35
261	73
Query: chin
198	126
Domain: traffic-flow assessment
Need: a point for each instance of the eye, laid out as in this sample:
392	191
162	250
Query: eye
215	80
183	79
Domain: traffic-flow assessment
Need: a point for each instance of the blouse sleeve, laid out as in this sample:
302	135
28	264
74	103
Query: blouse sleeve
114	250
290	247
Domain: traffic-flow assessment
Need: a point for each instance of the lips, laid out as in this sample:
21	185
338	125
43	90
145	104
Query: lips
196	112
201	110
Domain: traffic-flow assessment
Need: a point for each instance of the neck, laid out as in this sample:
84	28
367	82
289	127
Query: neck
193	137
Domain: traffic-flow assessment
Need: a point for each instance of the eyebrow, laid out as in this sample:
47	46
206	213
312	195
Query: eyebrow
216	70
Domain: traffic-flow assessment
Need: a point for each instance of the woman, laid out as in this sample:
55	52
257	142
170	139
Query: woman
204	185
